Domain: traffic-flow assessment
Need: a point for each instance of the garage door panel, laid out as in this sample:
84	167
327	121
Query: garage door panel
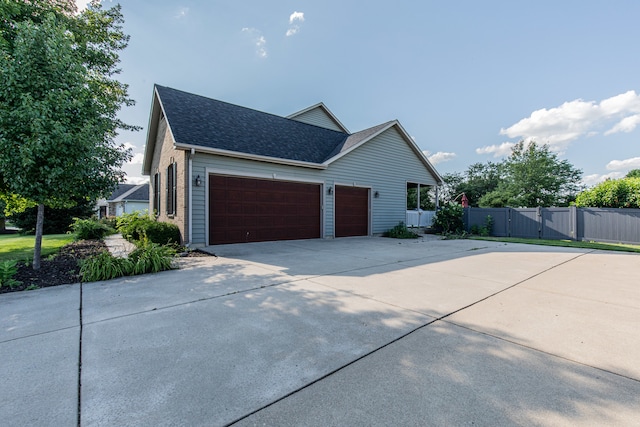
352	211
248	209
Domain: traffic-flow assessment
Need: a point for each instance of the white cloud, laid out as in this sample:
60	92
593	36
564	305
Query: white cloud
501	150
560	125
439	157
259	41
82	4
137	159
627	125
626	164
137	179
295	16
183	12
594	179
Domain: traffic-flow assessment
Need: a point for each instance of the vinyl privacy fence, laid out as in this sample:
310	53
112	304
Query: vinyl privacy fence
584	224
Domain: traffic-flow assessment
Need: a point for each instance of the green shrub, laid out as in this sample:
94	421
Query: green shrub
129	223
109	221
448	219
400	231
87	229
162	233
152	258
8	269
484	230
138	227
104	267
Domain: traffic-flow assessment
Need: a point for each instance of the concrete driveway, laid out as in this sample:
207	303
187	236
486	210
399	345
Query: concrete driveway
356	331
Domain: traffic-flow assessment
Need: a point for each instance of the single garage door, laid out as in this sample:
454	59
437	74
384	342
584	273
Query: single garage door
258	210
352	211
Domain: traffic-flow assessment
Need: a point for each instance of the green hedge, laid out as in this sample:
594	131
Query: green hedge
137	227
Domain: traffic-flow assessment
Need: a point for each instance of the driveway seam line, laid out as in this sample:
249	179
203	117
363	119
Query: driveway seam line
375	350
80	361
37	335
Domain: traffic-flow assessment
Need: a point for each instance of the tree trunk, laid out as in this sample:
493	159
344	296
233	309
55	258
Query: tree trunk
38	248
2	225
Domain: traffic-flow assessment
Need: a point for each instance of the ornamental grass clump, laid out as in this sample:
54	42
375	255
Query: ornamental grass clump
149	258
152	258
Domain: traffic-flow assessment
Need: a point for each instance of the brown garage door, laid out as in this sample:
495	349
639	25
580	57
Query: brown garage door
352	211
257	210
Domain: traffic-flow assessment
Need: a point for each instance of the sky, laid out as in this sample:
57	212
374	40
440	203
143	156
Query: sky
466	79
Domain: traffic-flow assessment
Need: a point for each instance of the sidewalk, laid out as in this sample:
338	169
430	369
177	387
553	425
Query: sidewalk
118	245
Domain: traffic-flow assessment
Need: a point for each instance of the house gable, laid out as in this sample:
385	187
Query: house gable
358	139
319	115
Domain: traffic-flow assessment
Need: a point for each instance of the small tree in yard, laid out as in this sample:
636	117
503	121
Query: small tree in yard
449	219
58	104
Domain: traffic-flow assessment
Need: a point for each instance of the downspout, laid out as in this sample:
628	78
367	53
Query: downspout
190	204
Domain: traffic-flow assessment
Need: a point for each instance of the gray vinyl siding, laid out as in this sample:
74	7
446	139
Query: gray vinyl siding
384	164
319	118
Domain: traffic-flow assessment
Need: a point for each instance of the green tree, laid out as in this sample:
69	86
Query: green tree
534	176
58	104
612	193
633	173
478	180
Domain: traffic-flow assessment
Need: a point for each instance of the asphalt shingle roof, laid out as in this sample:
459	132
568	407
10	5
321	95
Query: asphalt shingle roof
130	192
197	120
120	190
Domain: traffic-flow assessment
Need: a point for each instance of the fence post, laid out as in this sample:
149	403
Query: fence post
540	221
574	222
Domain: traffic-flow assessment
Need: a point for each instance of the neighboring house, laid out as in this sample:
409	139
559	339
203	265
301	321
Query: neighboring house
126	198
228	174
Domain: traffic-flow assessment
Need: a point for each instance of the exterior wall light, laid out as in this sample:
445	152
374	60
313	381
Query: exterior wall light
376	194
330	190
198	181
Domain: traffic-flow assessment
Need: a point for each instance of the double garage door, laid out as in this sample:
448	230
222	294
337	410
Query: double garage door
256	210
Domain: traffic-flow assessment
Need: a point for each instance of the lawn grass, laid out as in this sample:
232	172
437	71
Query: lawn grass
20	248
565	243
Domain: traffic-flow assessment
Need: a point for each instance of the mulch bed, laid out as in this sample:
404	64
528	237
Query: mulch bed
64	268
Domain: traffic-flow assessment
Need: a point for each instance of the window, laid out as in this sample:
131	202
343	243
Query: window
171	188
156	194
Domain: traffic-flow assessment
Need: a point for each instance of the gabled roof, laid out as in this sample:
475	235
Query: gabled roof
204	122
323	108
130	193
213	126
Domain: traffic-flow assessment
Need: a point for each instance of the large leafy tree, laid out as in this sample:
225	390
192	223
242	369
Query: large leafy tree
478	180
633	173
58	104
534	176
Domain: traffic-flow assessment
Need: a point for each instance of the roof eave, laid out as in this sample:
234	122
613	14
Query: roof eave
152	131
247	156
